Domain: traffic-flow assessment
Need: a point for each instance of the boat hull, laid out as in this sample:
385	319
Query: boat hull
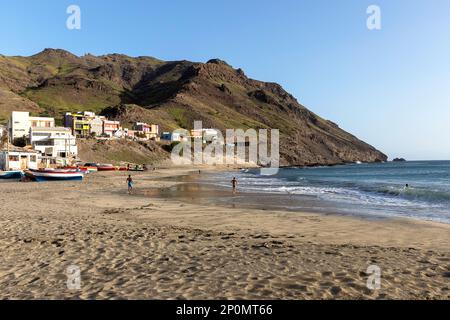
54	176
106	169
10	175
83	168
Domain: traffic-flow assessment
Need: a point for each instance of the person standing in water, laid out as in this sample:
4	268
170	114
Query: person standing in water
234	184
130	184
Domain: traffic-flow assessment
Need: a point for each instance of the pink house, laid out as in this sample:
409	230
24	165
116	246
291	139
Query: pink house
110	127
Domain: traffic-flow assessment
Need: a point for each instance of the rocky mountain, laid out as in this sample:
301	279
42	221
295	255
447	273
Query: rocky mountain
174	94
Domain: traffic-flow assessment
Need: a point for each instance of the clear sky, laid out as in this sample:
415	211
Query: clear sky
390	87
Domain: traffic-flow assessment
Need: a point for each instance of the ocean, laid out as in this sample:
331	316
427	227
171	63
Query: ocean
368	190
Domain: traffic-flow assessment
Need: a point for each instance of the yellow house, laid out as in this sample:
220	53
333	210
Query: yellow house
79	123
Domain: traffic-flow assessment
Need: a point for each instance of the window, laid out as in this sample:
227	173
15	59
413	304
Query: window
43	143
14	158
32	158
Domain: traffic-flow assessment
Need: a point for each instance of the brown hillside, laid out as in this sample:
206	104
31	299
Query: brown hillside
174	94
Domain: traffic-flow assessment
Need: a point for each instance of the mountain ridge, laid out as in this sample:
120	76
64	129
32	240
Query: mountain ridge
174	94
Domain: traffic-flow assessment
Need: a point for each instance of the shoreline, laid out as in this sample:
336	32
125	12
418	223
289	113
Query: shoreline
199	189
140	247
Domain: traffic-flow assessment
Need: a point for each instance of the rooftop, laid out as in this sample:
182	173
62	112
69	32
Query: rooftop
42	118
17	149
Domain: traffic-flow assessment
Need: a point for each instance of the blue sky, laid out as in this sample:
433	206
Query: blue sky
389	87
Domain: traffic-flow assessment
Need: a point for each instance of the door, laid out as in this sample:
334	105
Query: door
23	162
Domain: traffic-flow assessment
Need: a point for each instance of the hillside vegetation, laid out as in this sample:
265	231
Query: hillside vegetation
174	94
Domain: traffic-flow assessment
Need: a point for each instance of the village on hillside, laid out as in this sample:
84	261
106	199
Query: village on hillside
30	142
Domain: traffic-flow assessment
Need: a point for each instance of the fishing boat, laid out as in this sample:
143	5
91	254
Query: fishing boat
54	175
65	170
135	168
90	164
106	167
82	168
11	175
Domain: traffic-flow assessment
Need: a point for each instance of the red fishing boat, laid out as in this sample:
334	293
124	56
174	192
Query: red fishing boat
106	167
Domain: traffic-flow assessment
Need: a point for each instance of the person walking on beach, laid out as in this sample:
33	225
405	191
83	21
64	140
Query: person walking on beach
130	184
234	184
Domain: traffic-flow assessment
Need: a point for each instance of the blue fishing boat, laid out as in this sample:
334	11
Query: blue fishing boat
11	175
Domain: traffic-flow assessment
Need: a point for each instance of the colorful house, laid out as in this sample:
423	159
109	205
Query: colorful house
196	134
131	134
78	122
150	131
110	127
154	132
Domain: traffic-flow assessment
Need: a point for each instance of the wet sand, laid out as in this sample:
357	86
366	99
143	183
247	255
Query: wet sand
197	189
145	247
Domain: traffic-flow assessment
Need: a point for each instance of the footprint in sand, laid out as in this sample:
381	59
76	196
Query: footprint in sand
335	290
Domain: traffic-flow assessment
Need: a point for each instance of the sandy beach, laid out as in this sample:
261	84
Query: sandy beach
143	247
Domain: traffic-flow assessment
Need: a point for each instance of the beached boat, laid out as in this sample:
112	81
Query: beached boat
54	175
63	170
106	167
110	167
11	175
82	168
90	164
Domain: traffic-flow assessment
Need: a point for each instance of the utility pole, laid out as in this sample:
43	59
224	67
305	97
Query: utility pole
7	151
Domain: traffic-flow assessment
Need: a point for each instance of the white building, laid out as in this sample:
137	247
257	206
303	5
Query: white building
210	135
96	125
20	123
173	136
2	132
54	142
207	135
17	159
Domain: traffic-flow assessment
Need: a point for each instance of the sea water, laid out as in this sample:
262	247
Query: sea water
371	190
